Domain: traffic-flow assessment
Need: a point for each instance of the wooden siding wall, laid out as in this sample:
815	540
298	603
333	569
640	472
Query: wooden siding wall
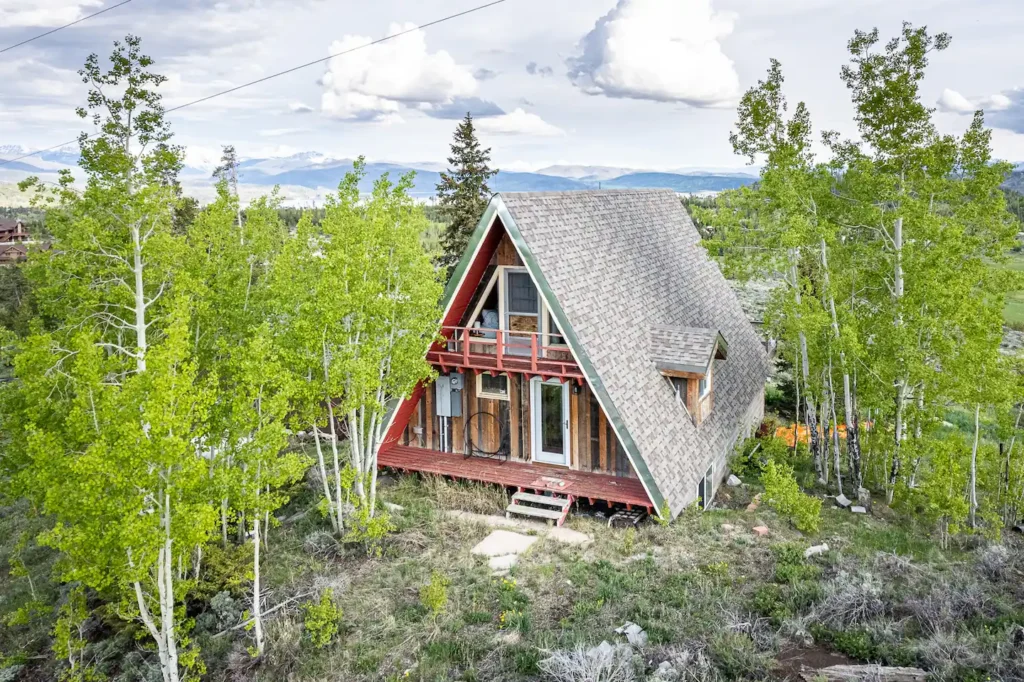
593	445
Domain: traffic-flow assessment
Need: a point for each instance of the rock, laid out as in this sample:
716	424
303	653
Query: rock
501	542
857	509
754	503
864	497
394	508
858	673
501	564
843	501
386	481
635	634
569	536
815	550
733	481
728	527
603	649
509	638
760	531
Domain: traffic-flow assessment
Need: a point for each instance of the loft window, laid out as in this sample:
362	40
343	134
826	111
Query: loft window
488	386
705	386
522	295
555	337
678	385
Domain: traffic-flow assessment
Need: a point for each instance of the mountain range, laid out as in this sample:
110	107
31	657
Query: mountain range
316	171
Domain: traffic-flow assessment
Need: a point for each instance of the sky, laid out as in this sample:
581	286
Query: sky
649	84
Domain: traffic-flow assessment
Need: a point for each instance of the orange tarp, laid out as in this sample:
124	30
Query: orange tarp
786	432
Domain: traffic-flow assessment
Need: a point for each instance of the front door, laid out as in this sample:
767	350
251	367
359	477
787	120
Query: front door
549	414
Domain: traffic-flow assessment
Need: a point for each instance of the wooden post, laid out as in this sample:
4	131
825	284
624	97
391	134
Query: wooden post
465	346
500	344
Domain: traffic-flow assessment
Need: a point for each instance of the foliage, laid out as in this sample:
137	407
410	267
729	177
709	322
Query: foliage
321	619
782	493
890	309
434	595
462	194
356	302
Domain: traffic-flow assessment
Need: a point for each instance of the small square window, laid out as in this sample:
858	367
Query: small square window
705	386
488	386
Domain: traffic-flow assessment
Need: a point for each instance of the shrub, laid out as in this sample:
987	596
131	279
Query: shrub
604	663
784	495
852	600
434	595
736	657
369	531
321	619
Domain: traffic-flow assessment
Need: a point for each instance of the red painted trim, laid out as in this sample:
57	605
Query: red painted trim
456	309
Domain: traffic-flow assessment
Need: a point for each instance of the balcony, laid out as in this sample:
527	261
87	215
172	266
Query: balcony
500	350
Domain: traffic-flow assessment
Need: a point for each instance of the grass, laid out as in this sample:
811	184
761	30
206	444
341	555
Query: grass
720	598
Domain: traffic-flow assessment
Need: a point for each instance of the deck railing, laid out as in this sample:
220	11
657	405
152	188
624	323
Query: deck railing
502	350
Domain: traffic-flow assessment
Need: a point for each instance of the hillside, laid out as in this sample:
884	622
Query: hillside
305	176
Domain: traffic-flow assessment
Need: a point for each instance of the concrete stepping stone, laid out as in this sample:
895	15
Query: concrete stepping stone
501	542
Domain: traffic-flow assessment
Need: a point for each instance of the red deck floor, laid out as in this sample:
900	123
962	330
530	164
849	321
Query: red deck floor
582	485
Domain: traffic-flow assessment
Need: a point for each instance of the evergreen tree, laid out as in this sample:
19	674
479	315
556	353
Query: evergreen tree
463	192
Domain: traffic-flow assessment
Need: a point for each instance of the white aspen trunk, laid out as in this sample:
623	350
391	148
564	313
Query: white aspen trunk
167	593
796	408
894	470
140	301
810	413
1007	518
257	613
974	469
338	501
901	383
326	481
835	432
224	522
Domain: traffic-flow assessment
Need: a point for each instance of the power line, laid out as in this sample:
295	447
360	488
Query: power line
61	28
282	73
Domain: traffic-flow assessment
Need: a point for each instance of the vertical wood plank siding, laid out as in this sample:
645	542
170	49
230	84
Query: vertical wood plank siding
592	442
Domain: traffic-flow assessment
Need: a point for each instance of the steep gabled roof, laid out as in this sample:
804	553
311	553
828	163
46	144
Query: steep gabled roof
686	349
612	265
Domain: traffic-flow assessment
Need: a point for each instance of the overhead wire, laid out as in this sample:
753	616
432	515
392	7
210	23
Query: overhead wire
292	69
61	28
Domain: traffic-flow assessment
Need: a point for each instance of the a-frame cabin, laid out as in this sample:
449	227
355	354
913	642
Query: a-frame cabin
592	353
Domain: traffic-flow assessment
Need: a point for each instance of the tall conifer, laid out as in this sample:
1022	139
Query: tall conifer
463	192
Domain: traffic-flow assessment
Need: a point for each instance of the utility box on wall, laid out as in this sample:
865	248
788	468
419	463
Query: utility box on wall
448	394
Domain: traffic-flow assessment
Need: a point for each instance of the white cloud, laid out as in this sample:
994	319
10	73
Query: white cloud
373	83
518	122
43	12
300	108
953	102
663	50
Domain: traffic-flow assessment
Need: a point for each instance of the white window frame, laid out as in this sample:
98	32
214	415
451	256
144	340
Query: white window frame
709	482
481	393
546	330
706	390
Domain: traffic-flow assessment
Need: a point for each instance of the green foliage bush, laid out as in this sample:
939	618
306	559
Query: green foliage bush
784	495
434	595
322	619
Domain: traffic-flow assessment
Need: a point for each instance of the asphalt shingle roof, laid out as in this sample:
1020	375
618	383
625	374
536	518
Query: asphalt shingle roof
620	263
682	349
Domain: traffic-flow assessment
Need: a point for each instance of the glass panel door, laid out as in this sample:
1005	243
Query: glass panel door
549	407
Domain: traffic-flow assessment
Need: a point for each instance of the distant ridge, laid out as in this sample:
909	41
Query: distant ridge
316	171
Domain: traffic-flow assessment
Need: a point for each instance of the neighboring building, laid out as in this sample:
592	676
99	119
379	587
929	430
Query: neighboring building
14	241
593	352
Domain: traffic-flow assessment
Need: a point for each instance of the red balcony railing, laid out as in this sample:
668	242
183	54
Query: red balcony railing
500	350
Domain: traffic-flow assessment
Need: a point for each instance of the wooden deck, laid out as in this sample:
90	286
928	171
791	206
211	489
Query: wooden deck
523	476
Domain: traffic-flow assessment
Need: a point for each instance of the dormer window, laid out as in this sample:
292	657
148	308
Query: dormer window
684	355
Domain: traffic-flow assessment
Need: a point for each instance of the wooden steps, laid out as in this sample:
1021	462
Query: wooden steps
547	507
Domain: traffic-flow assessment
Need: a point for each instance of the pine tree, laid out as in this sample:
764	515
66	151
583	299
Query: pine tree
463	192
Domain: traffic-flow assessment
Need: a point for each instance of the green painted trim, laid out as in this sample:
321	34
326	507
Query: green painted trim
632	451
